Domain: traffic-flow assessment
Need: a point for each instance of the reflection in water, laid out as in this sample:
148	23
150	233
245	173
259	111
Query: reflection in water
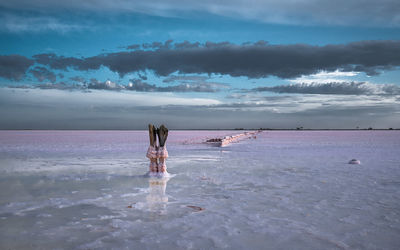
157	199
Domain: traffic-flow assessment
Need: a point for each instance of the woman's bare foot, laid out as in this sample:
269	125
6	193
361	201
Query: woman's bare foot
162	135
152	135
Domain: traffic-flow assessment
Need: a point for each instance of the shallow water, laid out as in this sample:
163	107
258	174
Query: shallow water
282	190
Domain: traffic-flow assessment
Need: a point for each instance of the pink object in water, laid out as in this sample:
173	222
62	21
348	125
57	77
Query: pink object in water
162	152
354	161
162	167
153	166
226	140
151	152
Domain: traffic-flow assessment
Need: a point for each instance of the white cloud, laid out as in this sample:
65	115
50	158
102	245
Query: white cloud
100	97
334	88
326	77
58	109
290	104
18	24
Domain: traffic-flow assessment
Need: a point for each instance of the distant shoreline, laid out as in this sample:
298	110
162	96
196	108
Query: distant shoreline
222	129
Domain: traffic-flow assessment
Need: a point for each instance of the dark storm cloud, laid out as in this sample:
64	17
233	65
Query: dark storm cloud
175	78
14	67
158	45
135	85
250	60
139	85
187	45
154	45
133	46
41	74
81	83
207	87
60	62
305	12
107	85
143	77
334	88
78	79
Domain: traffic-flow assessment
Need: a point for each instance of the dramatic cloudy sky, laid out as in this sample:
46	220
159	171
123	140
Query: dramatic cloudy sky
199	64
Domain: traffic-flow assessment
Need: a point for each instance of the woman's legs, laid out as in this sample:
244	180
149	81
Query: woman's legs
162	152
152	150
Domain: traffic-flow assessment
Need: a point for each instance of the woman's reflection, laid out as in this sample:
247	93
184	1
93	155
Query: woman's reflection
157	199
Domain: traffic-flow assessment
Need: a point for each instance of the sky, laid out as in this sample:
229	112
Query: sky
316	64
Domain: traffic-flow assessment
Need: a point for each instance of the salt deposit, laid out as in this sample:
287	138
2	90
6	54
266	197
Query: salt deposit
284	190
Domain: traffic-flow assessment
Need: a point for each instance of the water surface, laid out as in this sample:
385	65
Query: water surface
282	190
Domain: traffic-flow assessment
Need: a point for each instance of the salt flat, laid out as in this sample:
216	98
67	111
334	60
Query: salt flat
282	190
